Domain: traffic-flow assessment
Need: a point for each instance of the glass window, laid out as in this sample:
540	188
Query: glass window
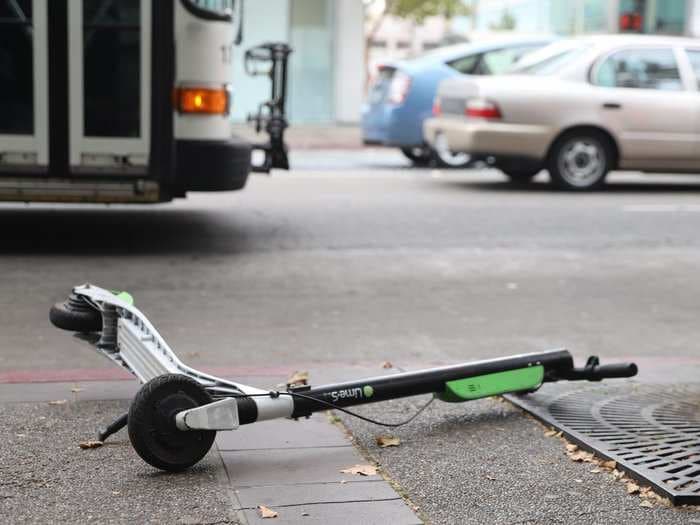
466	64
501	60
640	69
112	68
694	56
550	64
16	67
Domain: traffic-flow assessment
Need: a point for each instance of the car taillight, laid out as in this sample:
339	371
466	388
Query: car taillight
437	109
481	108
399	88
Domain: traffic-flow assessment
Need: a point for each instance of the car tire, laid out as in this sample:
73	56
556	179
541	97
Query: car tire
580	161
521	176
419	155
446	158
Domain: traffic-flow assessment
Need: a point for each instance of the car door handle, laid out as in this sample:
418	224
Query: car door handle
612	105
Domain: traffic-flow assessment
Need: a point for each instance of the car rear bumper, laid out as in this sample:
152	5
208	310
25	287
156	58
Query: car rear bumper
392	126
489	138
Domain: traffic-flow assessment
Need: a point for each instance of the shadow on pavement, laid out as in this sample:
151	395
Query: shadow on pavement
130	231
543	186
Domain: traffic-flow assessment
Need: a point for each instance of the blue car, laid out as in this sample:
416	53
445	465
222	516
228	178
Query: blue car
402	94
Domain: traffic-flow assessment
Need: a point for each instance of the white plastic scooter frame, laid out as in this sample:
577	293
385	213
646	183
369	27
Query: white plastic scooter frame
141	350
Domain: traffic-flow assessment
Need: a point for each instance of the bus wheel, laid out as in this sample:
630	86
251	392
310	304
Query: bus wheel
152	429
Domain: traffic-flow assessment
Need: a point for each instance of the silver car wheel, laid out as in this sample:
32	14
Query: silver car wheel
446	156
582	162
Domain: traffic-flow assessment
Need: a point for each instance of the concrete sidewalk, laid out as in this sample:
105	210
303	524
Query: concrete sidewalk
291	467
310	136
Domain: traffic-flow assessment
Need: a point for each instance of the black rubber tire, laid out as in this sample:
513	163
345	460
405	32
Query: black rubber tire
151	422
75	315
606	147
419	156
521	176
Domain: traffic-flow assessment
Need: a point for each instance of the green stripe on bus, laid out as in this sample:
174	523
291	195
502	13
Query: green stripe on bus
493	384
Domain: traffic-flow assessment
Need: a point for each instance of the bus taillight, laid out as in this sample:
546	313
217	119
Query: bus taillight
209	101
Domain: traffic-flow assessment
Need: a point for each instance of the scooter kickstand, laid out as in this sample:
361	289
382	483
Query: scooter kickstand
114	427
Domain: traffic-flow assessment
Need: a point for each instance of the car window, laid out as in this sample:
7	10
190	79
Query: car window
500	60
694	56
549	64
640	69
466	65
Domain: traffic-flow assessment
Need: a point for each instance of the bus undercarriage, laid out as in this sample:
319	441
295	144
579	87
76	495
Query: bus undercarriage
128	101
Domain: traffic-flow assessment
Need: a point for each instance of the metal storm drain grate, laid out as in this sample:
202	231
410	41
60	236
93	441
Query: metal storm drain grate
652	431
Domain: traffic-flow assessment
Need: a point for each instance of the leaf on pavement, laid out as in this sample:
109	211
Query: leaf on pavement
632	488
90	444
58	402
361	470
550	433
580	455
612	465
387	364
388	441
570	447
646	504
300	377
266	512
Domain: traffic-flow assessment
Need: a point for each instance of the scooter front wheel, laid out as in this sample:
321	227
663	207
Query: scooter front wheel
152	429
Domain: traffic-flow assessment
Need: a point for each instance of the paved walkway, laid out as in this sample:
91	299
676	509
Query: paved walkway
291	467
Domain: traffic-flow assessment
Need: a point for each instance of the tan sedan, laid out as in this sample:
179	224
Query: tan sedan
580	108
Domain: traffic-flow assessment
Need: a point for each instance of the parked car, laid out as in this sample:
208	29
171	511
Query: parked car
401	96
579	109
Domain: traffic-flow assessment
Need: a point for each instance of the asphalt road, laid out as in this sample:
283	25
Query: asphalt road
356	258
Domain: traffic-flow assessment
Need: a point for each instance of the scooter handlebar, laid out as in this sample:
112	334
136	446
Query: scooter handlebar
593	371
616	370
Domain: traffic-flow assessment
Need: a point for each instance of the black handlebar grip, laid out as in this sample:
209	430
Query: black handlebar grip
616	370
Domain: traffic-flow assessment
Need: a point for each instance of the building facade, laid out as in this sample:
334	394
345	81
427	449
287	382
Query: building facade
572	17
326	69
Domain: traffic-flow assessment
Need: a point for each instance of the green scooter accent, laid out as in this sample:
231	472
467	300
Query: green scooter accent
492	384
124	296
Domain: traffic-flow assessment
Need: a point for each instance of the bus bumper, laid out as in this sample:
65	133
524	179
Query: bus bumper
212	165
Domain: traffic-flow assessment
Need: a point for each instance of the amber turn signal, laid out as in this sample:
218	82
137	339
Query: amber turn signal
202	100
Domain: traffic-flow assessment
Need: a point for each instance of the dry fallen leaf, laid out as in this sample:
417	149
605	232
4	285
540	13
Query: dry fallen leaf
550	433
612	465
90	444
559	434
617	474
387	364
646	504
632	488
388	441
570	447
595	471
299	378
580	455
362	470
58	402
266	512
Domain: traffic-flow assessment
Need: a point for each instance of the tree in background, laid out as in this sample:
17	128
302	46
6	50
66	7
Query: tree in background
506	23
415	10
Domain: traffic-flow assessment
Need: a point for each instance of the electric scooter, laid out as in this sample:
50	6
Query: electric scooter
174	417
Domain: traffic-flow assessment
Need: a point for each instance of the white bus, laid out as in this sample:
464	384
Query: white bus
118	100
